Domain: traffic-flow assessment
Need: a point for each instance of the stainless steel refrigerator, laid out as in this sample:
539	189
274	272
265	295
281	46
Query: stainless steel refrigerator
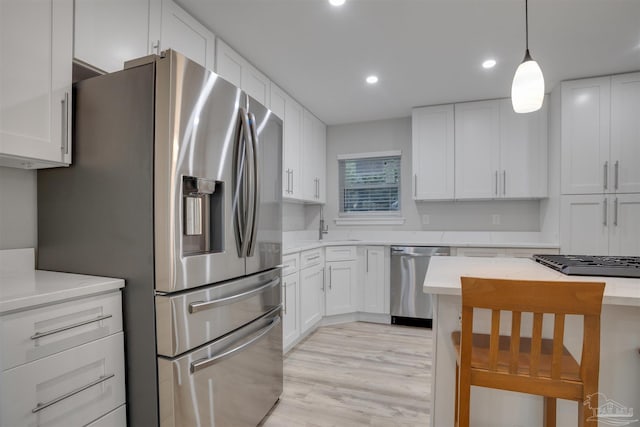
176	187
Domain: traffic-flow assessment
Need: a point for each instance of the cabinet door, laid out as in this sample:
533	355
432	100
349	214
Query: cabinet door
374	281
311	297
320	163
277	100
109	32
477	150
36	39
228	63
432	143
181	32
308	190
585	167
341	290
625	225
584	225
292	149
290	315
255	84
523	152
625	132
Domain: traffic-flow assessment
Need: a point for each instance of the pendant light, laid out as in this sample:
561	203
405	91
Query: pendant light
527	89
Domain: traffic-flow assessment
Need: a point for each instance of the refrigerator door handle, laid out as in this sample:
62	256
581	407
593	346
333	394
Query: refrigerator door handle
205	363
255	196
241	185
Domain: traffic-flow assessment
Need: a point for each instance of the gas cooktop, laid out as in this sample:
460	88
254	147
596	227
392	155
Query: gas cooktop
586	265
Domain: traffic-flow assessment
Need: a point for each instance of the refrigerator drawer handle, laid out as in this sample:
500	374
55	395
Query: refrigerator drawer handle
205	363
66	328
197	306
40	406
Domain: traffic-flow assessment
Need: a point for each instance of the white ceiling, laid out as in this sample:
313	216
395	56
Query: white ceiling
424	51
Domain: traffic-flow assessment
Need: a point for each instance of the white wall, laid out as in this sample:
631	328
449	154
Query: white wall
18	212
395	134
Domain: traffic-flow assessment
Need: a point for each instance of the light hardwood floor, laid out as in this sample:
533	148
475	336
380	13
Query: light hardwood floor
357	374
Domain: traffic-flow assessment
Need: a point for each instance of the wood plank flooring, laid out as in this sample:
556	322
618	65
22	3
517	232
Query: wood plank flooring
357	374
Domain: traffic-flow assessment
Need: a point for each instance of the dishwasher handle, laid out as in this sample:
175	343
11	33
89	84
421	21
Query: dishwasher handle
420	251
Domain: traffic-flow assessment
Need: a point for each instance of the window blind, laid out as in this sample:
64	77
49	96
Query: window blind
370	184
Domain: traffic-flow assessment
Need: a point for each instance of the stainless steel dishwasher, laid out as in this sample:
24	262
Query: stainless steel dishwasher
409	305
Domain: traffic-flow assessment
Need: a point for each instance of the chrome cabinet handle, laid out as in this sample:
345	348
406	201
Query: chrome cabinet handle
64	142
156	46
415	185
496	188
615	212
330	271
205	363
617	170
197	306
66	328
40	406
284	291
504	182
606	175
604	222
323	278
311	258
367	257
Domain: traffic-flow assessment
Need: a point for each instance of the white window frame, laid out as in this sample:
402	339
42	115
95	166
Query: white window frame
370	218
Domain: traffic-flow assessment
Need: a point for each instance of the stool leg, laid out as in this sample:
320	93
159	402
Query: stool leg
455	417
464	399
549	412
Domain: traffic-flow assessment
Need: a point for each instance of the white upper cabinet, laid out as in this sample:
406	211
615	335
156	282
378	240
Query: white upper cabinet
36	42
313	160
477	150
277	100
233	67
585	165
292	150
109	32
320	160
523	152
625	133
183	33
433	152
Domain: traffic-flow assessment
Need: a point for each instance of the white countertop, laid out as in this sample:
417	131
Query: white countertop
23	287
426	238
443	276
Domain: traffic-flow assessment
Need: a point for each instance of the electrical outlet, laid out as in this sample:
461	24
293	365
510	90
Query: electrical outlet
495	219
425	219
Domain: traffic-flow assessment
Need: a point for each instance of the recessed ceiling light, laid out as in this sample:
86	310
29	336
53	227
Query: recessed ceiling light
489	63
372	80
336	2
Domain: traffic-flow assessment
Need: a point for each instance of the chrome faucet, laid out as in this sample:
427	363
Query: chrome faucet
324	229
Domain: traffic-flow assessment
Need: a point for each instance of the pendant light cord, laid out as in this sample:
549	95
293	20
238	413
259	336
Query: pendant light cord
526	22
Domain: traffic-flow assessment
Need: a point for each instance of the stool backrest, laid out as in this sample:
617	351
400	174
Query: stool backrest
537	297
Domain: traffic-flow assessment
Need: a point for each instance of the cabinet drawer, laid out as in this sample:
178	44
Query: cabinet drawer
481	252
33	334
341	253
311	257
290	263
115	418
74	387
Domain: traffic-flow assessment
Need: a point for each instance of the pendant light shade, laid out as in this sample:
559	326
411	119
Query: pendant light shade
527	89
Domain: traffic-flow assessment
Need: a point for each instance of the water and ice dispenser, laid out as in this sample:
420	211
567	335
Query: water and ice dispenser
203	214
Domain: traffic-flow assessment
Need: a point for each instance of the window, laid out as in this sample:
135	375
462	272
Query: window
370	184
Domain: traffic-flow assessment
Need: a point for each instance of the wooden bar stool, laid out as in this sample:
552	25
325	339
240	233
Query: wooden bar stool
529	365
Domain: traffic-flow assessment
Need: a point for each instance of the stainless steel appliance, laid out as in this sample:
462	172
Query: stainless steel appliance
588	265
176	188
409	304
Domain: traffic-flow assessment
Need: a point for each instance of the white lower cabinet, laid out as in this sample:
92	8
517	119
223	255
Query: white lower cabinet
342	287
311	296
375	293
73	387
599	224
290	311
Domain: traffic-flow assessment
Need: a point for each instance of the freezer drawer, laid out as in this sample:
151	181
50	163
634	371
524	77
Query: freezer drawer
188	320
234	381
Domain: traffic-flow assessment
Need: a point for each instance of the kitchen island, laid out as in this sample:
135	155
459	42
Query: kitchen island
620	341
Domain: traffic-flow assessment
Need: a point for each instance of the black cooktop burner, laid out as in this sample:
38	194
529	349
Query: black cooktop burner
586	265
